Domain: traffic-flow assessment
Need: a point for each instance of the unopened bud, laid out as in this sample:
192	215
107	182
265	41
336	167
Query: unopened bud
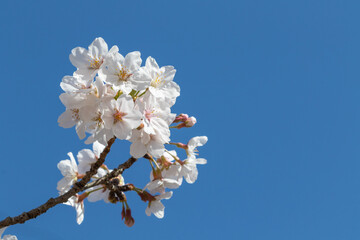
164	161
181	118
129	220
190	122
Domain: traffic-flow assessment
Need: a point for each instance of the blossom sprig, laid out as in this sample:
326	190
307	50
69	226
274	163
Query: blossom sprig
110	96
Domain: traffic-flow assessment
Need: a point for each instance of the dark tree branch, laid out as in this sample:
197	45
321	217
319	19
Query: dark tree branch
77	187
116	172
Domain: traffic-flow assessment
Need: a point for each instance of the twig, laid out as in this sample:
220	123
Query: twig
77	187
116	172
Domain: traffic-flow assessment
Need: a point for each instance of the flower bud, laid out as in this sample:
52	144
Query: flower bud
129	220
190	122
181	118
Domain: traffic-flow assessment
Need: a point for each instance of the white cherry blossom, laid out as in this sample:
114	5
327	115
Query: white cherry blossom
189	170
86	157
121	117
124	73
162	85
165	179
194	143
88	62
69	170
156	207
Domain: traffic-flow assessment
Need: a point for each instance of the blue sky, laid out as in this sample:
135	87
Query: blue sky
273	84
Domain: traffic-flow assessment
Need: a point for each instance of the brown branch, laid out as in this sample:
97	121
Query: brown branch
116	172
77	187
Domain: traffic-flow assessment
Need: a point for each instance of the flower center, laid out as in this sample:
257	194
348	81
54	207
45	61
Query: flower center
123	74
75	114
149	114
118	116
96	63
157	81
98	120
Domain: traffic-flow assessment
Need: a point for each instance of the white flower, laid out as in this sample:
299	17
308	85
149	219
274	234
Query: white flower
194	143
79	207
69	170
156	207
162	85
6	237
155	132
124	73
189	170
88	62
71	118
167	179
86	157
75	83
121	117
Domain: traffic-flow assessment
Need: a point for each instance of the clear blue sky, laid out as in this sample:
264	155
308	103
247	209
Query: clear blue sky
275	85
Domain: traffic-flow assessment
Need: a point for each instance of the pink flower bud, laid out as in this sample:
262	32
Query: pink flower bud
129	220
181	118
190	122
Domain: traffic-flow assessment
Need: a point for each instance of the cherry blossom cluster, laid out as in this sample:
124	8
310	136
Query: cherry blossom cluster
112	96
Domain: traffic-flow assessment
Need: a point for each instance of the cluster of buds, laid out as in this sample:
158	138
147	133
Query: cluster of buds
185	121
109	96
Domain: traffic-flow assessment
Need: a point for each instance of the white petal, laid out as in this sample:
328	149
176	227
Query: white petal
137	149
